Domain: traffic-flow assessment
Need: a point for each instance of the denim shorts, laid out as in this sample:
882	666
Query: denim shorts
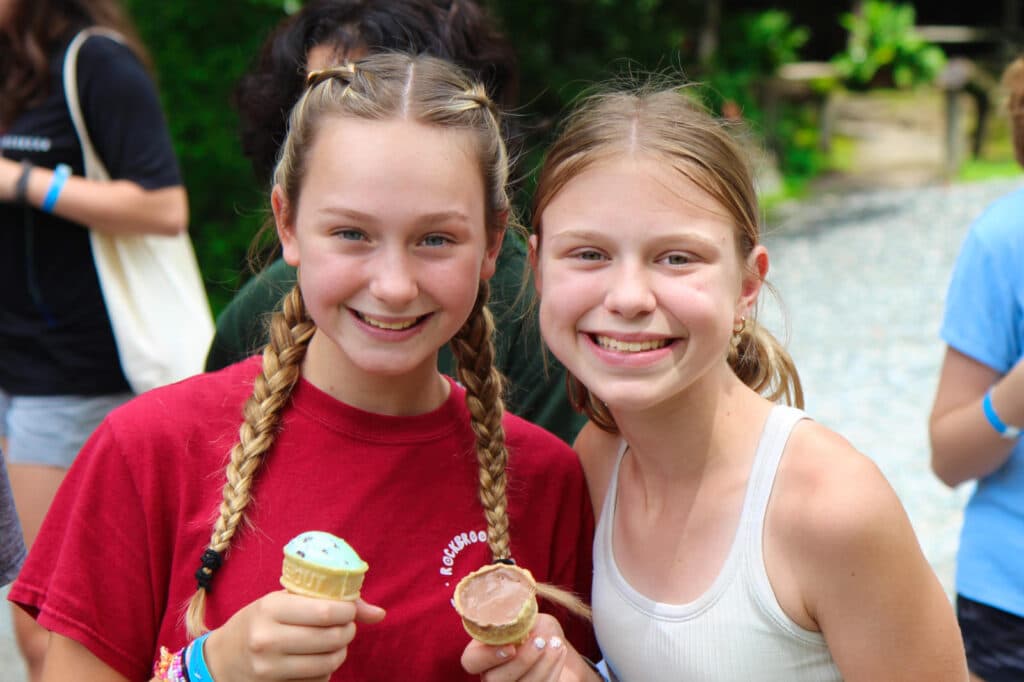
994	641
50	430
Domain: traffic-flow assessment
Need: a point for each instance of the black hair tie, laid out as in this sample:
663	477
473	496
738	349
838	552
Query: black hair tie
508	562
211	561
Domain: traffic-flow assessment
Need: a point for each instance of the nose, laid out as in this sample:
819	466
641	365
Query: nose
629	292
393	278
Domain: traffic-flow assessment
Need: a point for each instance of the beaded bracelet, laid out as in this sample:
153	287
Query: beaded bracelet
171	666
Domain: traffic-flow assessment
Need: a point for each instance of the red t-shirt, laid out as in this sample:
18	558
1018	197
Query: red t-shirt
113	566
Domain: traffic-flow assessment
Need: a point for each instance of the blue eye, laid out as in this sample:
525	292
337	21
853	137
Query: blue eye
678	259
350	234
590	255
436	240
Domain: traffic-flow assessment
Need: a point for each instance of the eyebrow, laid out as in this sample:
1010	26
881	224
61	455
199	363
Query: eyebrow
355	214
671	238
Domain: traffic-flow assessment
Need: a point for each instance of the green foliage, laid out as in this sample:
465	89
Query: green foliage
883	47
752	47
200	50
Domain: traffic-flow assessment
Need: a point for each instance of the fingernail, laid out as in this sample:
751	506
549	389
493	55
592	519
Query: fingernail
555	642
539	642
501	653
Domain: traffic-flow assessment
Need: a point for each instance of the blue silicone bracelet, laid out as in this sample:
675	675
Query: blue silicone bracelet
196	661
1004	430
60	176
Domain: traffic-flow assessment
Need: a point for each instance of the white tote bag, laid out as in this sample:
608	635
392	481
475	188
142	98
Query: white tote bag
151	283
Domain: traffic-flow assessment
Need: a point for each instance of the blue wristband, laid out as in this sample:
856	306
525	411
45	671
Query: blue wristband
1004	430
195	661
60	176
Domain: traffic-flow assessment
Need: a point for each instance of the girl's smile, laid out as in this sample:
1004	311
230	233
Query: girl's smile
390	251
640	280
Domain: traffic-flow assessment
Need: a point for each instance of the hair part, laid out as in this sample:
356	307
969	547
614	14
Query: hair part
667	123
38	28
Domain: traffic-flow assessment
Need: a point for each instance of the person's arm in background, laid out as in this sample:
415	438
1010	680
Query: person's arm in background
242	325
965	446
983	329
122	113
118	206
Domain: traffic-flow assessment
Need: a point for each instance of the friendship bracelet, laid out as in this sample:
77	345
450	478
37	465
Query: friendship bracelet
196	661
21	187
60	176
1006	431
170	667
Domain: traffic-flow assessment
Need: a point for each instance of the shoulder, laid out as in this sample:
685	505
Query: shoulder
533	447
100	51
200	403
524	436
1000	225
827	488
112	69
833	509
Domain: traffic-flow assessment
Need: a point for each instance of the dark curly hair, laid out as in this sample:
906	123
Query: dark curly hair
459	31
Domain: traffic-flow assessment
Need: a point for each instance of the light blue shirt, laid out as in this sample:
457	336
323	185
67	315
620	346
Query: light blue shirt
985	320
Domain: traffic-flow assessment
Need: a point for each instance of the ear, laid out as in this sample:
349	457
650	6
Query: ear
755	272
533	255
490	264
285	228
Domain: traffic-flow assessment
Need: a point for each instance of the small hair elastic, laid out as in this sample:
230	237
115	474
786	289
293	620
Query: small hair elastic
507	561
60	175
1002	428
195	660
21	187
211	561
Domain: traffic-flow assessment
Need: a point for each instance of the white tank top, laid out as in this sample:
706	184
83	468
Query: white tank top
734	632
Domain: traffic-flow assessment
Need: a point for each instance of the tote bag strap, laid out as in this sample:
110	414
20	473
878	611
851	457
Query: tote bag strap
94	167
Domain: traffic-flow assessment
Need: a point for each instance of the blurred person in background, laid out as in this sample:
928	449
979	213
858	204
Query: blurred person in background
59	368
977	419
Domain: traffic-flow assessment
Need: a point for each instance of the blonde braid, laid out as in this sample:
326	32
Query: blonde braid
473	347
290	332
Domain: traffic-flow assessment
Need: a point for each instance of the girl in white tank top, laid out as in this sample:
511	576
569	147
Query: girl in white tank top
737	541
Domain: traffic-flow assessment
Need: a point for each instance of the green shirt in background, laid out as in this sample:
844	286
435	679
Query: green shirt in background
536	391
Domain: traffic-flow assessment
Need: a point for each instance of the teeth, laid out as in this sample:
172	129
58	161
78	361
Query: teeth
609	343
393	326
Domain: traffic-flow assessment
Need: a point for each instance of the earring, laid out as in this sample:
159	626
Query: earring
738	329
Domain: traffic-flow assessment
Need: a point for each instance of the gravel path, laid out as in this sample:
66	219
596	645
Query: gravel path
862	279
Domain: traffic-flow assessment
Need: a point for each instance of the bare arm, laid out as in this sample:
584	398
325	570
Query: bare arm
964	444
66	659
866	583
117	206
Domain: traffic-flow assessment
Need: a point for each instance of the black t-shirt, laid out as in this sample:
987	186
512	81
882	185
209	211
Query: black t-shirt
55	336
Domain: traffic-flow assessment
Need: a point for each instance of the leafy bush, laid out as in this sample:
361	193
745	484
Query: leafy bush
883	48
